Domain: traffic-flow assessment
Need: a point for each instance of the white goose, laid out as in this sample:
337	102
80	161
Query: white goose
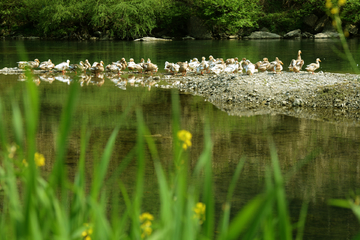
62	66
313	66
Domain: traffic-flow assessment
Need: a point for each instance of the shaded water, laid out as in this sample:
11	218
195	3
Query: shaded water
332	172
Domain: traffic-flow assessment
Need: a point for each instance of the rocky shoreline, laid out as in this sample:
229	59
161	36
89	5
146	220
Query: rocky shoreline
330	97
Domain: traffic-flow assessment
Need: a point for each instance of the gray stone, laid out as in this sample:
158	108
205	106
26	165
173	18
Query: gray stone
293	34
148	39
233	37
310	20
307	35
188	38
326	35
263	35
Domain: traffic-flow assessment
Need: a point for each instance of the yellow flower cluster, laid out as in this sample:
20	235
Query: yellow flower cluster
38	158
334	10
199	211
145	220
185	137
86	234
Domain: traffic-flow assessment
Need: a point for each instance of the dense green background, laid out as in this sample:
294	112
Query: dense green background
128	19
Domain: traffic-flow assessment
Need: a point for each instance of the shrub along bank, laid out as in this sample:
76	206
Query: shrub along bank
131	19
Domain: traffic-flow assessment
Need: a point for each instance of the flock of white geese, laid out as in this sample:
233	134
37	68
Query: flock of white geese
216	66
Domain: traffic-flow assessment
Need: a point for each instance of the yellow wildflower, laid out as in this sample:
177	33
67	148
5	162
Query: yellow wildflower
39	159
328	4
341	2
146	216
145	226
199	211
334	10
185	137
86	234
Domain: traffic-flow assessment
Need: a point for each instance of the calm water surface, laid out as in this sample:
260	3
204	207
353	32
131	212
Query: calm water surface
333	172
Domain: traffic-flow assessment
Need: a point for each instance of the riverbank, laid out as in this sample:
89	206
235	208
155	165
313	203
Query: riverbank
322	96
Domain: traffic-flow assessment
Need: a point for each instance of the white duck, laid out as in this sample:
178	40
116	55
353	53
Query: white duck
313	66
62	66
172	67
47	65
29	64
249	67
202	67
232	67
218	67
183	67
193	64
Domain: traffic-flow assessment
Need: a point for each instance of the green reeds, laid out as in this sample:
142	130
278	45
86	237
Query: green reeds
53	207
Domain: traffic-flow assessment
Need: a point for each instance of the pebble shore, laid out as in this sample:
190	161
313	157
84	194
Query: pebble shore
325	96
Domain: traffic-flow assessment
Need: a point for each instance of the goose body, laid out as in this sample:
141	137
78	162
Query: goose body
218	67
28	64
47	65
172	67
113	68
131	65
202	67
150	67
77	67
193	64
263	65
232	68
183	67
98	68
248	66
313	66
296	65
62	66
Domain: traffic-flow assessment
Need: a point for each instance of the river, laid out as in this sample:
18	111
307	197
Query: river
332	172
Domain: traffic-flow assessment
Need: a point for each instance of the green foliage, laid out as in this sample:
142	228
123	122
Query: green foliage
228	15
122	19
350	12
280	22
173	17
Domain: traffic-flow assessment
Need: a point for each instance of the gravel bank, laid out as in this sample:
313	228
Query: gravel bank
323	96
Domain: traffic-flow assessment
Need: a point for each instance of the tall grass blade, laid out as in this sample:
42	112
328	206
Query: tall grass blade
208	186
301	222
284	221
58	175
226	216
101	169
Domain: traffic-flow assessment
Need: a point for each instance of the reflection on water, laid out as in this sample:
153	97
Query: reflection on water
84	79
